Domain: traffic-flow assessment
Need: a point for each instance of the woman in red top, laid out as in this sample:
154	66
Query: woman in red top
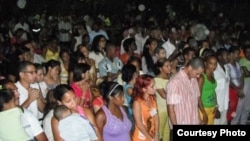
81	85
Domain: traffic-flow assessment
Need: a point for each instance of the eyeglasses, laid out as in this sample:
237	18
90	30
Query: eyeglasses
30	72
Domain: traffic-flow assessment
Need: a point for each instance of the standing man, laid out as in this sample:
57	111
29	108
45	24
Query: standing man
222	78
183	95
243	108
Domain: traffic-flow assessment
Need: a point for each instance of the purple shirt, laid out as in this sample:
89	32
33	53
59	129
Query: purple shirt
115	129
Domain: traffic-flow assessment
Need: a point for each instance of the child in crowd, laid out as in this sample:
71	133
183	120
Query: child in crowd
73	127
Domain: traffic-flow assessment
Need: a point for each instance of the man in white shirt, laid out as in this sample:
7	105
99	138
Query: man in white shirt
30	97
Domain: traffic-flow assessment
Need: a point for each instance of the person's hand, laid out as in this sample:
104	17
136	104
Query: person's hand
204	119
217	113
33	94
241	94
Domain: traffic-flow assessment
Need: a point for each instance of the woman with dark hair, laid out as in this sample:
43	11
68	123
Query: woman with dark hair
52	77
129	75
111	119
64	66
51	103
149	57
83	49
145	109
97	51
81	85
65	95
163	72
18	120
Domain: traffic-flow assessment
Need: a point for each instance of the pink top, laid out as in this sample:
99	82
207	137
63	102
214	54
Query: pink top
79	94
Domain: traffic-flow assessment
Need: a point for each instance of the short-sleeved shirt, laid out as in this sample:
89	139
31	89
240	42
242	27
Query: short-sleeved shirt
246	63
106	65
33	107
183	93
76	128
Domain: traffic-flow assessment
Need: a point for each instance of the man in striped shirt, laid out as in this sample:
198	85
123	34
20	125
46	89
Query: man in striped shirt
183	95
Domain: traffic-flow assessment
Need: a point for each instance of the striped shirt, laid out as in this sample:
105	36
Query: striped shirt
183	93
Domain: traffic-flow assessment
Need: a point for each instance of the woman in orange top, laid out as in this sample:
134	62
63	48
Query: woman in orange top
145	109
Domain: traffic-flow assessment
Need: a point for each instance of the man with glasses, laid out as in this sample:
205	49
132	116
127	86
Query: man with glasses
30	97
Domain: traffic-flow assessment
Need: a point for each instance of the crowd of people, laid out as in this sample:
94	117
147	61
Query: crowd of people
70	81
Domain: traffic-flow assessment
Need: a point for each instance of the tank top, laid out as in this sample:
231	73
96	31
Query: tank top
64	75
147	120
78	92
116	129
208	96
128	97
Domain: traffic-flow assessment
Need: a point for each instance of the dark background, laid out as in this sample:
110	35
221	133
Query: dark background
235	9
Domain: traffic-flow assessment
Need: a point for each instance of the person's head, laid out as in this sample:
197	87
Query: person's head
136	61
160	52
61	111
84	50
30	46
163	66
10	85
64	56
110	50
188	53
24	54
223	56
246	50
129	73
52	67
211	63
39	72
81	72
98	44
27	72
65	95
51	101
207	52
113	93
234	53
144	85
129	45
195	67
85	39
80	58
151	44
7	99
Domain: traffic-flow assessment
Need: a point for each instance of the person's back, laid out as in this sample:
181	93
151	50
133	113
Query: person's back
73	127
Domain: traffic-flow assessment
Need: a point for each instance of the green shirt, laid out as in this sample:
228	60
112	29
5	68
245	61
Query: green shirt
11	128
246	63
208	96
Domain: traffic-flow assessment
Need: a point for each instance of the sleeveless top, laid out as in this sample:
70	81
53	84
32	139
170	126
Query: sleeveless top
116	129
78	92
208	96
64	75
147	120
128	98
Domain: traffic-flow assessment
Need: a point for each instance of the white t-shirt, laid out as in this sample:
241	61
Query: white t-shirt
33	107
47	126
30	124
